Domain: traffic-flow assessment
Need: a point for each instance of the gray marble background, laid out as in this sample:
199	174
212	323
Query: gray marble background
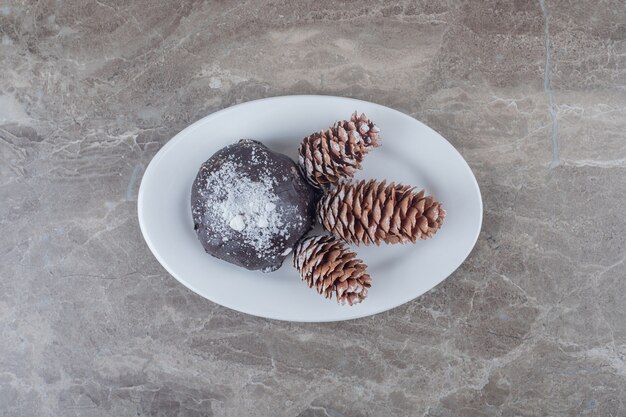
534	97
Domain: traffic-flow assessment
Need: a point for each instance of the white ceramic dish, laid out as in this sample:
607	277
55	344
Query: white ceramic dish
411	153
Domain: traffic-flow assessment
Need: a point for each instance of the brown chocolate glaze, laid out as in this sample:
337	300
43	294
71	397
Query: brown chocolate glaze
292	205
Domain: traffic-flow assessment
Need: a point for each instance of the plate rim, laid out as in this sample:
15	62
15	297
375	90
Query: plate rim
162	152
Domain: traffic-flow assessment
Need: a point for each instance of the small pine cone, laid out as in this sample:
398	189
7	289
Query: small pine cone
373	212
328	156
326	264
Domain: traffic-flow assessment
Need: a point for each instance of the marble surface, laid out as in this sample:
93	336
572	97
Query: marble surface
532	93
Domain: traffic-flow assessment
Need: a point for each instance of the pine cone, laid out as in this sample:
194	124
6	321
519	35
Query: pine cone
328	265
373	212
327	156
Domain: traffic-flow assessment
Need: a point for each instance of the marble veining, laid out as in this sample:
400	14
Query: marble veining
531	93
546	87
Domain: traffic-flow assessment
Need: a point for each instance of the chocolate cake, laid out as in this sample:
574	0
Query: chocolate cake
251	205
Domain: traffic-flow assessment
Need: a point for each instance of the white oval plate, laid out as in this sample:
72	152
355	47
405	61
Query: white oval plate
411	153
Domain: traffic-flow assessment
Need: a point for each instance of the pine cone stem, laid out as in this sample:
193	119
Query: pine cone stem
327	265
374	212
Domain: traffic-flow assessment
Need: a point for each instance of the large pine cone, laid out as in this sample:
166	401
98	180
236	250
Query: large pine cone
373	212
327	265
328	156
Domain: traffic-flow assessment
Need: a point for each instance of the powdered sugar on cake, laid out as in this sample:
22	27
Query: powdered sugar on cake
245	207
